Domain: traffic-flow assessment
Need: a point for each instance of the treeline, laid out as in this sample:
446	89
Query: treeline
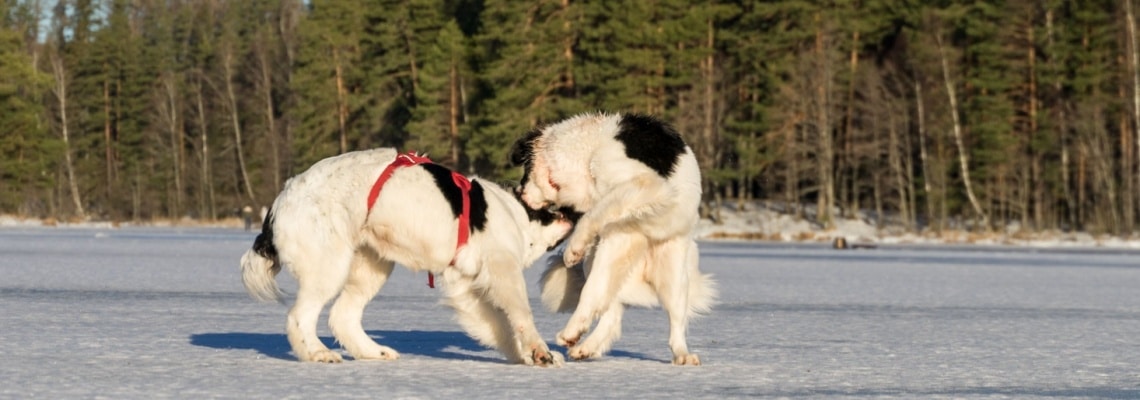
941	114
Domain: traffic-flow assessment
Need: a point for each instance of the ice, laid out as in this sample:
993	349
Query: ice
137	312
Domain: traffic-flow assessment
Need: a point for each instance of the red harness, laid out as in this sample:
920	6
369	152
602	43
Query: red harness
409	159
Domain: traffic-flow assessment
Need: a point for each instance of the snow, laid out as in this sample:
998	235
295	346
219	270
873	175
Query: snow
772	221
159	312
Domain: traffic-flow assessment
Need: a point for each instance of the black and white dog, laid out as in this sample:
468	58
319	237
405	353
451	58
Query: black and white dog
639	186
323	231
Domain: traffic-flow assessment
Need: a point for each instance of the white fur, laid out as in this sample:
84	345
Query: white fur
642	225
326	238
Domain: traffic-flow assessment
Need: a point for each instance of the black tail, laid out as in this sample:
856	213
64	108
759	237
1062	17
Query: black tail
263	244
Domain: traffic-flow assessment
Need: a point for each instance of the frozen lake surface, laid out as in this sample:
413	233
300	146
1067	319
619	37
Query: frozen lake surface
147	313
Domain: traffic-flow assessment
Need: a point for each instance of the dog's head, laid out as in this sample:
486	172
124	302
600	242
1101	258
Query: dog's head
549	227
536	189
558	160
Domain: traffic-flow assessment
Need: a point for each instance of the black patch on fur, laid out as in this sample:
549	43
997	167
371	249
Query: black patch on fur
548	216
545	217
570	213
522	153
263	244
478	207
651	141
454	196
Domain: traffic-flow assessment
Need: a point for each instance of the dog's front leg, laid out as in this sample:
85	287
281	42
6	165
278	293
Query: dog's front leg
612	262
506	289
628	203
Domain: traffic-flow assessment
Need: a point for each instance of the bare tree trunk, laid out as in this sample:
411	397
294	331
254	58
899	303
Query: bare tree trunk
287	30
847	159
1134	64
413	65
60	90
568	46
1062	129
908	171
108	144
796	153
1105	208
231	98
341	102
895	159
169	110
1081	184
923	157
453	113
825	148
963	156
876	181
266	70
1126	190
1030	177
708	127
206	204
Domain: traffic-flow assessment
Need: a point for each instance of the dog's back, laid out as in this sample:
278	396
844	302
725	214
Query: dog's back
325	198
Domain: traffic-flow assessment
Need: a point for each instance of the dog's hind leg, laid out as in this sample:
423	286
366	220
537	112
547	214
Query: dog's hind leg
605	334
315	287
366	276
671	279
616	254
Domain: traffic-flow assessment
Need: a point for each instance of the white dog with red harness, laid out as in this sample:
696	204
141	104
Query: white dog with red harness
639	187
338	239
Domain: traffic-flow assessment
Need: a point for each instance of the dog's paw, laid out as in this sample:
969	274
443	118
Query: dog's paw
325	356
546	358
380	353
575	249
574	253
687	359
571	257
568	338
579	353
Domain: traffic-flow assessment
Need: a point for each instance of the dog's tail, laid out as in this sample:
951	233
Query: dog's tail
702	287
259	266
702	294
561	286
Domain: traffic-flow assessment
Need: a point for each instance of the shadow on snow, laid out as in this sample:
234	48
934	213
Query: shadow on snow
452	345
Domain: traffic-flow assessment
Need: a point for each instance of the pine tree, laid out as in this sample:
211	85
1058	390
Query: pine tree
119	113
1091	37
624	56
28	153
434	126
327	79
528	64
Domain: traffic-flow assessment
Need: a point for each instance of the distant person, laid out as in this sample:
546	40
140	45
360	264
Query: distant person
247	216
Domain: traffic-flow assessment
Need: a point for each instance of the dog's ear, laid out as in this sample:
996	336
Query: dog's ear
523	150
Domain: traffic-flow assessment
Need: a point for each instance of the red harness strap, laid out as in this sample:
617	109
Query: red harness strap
402	160
409	159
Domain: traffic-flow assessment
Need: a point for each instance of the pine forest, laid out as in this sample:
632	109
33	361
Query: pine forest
926	115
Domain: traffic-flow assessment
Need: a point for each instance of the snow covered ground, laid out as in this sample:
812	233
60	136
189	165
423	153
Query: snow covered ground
137	312
773	221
